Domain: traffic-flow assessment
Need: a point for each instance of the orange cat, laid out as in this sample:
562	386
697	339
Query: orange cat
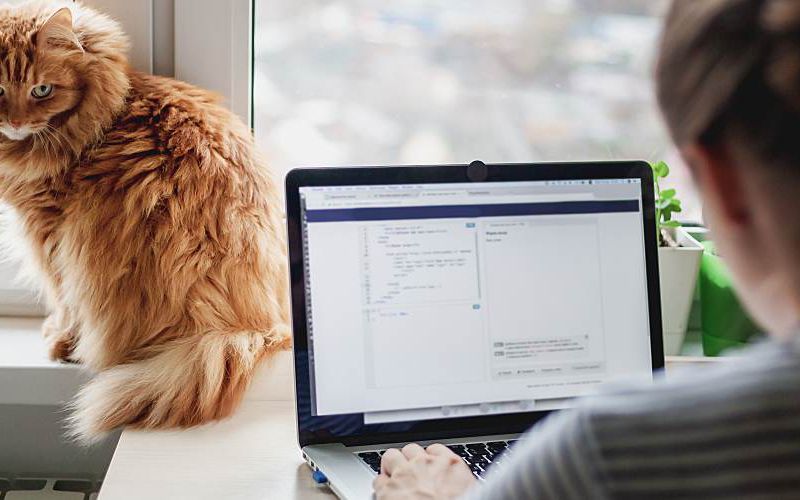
153	222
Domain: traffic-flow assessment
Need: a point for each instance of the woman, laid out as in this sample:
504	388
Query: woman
729	85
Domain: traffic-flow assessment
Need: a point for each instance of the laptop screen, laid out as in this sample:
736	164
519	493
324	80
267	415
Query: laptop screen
437	301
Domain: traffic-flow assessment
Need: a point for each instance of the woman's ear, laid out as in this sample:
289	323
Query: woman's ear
57	32
721	182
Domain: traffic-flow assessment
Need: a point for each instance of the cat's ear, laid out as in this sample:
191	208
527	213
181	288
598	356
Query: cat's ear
57	32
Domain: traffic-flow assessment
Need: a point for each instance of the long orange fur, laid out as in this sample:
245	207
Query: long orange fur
153	222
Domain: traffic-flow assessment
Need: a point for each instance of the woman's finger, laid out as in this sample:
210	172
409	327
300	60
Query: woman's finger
439	450
413	450
390	460
380	482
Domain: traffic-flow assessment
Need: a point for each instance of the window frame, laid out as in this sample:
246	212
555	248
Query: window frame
223	63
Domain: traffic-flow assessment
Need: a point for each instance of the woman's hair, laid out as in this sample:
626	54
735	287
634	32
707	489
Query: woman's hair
729	72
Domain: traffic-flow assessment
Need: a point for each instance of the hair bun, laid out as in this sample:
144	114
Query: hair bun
781	19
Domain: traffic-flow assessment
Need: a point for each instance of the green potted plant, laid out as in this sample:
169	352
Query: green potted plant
725	323
679	256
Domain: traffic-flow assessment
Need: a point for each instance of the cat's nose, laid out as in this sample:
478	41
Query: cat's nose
15	123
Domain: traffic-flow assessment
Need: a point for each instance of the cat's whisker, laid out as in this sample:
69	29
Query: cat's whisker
56	133
39	142
51	142
43	136
54	139
51	139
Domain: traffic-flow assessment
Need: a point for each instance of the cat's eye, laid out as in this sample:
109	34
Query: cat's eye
42	91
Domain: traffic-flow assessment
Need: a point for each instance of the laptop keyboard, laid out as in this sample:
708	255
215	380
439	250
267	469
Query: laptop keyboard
477	456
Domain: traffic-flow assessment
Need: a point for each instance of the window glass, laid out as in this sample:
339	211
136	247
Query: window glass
356	82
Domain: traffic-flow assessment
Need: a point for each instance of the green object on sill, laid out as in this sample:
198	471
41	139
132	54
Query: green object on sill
725	323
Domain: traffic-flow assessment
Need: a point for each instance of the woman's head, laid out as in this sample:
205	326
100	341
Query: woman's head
728	82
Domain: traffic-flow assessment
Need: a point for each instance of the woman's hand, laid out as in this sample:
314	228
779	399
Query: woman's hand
415	472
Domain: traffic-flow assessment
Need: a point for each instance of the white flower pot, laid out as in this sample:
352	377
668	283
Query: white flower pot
678	270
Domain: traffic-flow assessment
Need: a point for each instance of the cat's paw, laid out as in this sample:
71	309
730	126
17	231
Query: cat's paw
60	340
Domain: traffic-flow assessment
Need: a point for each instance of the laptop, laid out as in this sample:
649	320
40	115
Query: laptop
461	304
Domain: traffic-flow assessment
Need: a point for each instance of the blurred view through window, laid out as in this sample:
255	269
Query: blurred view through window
371	82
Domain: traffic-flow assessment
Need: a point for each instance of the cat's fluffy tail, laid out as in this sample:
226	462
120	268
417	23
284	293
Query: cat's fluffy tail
185	382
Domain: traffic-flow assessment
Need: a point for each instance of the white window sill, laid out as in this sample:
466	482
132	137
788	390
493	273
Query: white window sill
27	376
20	302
